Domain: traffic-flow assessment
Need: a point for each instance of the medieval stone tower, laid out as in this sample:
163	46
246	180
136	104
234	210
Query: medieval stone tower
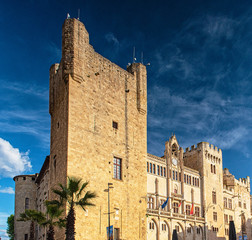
25	198
98	133
207	159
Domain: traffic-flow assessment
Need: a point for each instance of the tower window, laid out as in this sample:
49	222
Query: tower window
214	197
188	209
117	168
197	211
230	203
27	203
154	169
225	202
115	125
225	218
175	207
215	216
150	203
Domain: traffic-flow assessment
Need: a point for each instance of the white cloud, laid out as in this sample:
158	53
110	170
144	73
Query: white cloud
12	161
8	190
110	37
26	89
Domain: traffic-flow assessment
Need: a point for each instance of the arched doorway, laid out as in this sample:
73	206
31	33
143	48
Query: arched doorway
165	231
190	232
180	230
152	230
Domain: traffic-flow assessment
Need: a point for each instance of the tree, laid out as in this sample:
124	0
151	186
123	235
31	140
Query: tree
33	216
53	219
10	228
72	195
52	211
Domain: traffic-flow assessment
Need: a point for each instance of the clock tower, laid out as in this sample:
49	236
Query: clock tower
175	167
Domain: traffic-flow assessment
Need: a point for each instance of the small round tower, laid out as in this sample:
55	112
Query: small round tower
25	198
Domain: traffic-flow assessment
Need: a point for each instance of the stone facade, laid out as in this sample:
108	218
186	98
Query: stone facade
25	198
99	133
42	182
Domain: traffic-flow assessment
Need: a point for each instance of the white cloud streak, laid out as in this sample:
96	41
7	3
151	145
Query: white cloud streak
8	190
110	37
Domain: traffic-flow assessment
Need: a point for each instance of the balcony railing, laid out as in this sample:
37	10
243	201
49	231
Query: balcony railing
173	215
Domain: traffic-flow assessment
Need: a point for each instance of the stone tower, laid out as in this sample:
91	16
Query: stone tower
98	133
207	159
174	160
25	198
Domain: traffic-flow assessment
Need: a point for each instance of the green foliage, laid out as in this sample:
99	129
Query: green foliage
53	214
73	195
10	228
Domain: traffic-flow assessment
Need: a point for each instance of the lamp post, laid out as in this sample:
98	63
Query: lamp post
107	190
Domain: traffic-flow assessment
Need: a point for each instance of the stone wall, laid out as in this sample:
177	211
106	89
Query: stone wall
25	198
88	93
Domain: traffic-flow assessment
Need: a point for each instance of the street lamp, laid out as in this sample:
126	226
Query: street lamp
107	190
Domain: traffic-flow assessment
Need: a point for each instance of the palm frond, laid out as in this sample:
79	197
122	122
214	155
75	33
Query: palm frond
32	215
61	223
73	185
85	201
81	189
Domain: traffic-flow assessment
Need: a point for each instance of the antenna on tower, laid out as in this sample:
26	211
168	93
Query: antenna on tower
134	54
142	57
78	14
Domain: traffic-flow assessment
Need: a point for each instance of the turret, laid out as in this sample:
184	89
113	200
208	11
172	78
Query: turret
25	198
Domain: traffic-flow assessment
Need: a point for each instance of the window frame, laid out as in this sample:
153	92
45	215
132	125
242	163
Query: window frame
118	174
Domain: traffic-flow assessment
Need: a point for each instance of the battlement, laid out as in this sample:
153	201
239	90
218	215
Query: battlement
205	146
244	181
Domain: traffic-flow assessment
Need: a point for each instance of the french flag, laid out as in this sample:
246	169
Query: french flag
191	212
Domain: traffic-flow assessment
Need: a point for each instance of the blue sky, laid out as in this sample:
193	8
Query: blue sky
199	80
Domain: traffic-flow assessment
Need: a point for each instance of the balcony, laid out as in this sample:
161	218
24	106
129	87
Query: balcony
164	213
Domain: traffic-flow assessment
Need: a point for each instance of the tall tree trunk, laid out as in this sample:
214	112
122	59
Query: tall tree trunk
32	231
70	225
50	233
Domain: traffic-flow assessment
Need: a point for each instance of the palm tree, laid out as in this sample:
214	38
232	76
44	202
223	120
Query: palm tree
73	195
52	211
33	216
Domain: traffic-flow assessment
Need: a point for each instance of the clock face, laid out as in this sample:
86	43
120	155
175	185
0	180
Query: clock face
174	161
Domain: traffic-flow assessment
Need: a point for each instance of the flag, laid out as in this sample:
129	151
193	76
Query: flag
191	212
165	203
180	203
